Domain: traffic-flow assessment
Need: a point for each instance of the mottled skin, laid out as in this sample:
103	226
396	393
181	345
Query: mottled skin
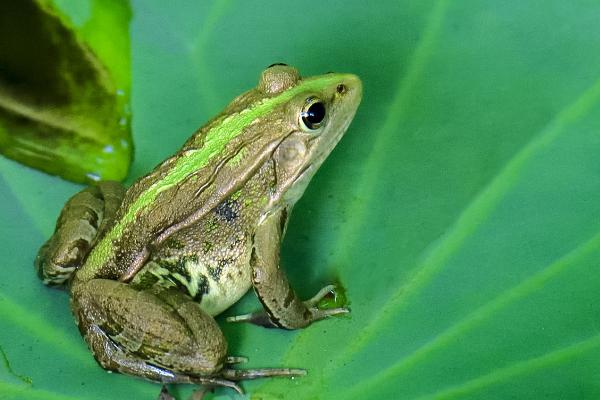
149	266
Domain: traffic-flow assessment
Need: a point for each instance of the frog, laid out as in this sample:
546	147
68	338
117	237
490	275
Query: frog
149	267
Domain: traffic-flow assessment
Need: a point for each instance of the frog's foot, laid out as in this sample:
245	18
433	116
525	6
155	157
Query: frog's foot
263	319
215	382
257	318
228	377
230	360
318	313
246	374
321	294
243	374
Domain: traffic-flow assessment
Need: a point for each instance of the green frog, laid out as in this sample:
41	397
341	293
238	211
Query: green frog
148	267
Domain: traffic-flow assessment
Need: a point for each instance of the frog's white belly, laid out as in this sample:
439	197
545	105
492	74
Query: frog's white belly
233	282
214	288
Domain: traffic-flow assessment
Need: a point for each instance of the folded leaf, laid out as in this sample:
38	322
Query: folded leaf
64	89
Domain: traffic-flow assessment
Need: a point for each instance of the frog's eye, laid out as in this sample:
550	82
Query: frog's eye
313	114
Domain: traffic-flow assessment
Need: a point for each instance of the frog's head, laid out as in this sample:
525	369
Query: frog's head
286	123
316	116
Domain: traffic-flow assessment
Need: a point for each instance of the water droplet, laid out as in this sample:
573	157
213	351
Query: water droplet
93	176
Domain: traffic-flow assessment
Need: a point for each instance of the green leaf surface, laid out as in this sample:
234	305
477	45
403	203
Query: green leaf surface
460	212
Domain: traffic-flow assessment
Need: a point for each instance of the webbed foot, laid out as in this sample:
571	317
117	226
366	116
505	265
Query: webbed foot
228	377
262	318
245	374
321	313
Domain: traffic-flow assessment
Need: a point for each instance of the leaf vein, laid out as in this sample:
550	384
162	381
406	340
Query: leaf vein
475	318
473	215
521	368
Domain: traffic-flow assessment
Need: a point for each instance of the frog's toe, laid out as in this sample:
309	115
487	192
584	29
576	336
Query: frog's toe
245	374
320	295
214	382
318	314
257	318
230	360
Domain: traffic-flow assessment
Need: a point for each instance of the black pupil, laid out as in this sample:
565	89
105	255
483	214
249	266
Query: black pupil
315	114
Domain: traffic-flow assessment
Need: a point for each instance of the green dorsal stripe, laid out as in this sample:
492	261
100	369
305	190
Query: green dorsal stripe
228	128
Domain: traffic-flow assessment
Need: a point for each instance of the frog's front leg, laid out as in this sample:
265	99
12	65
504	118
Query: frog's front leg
283	308
82	220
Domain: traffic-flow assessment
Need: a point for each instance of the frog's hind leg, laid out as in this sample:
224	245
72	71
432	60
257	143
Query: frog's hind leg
83	218
158	335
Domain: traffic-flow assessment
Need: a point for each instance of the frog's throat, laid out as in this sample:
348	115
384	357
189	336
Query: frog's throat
224	131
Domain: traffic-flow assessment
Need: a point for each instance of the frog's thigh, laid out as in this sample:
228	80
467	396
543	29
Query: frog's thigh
160	336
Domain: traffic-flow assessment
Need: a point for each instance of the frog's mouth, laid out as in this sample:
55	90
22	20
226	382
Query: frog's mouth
304	176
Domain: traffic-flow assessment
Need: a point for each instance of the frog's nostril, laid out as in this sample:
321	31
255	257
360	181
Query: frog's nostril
341	88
